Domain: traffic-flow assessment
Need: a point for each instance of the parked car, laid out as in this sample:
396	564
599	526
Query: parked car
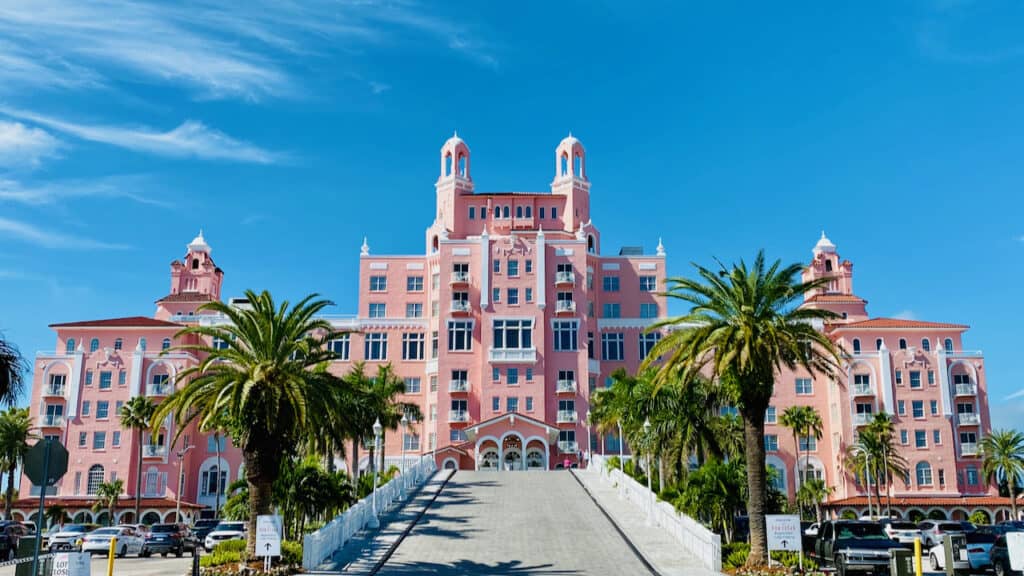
999	555
141	529
853	545
902	531
166	539
979	545
1015	525
68	536
225	531
10	534
128	541
202	528
932	531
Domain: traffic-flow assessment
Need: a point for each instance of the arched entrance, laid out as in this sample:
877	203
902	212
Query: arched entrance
450	464
488	458
536	455
151	517
512	451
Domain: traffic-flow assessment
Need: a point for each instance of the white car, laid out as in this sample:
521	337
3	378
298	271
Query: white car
67	537
128	541
902	532
979	544
225	531
812	530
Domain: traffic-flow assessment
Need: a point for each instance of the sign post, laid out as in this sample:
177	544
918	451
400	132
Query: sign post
784	534
45	463
268	538
1015	550
71	564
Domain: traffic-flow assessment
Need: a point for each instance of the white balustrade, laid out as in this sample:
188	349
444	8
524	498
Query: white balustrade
966	390
969	418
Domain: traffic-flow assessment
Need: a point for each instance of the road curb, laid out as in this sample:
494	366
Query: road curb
394	545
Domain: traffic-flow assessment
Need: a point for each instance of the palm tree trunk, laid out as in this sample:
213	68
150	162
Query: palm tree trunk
9	496
138	481
262	466
383	439
661	475
1013	495
796	451
753	435
216	508
355	459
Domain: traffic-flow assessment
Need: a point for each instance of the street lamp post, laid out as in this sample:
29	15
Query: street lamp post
405	434
589	442
622	466
377	429
181	483
650	493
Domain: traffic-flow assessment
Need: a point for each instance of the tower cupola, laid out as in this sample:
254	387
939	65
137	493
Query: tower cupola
455	159
570	159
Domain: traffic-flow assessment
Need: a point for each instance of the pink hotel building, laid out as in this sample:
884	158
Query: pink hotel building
502	329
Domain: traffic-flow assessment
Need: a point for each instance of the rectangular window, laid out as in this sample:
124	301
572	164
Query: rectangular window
433	383
904	437
770	416
529	293
512	404
117	407
496	267
106	380
86	407
122	378
808	444
920	438
901	407
611	310
610	283
934	404
495	403
434	339
541	212
931	378
340	346
213	441
612	346
513	296
435	280
942	477
648	310
899	378
472	212
554	212
460	335
972	476
513	334
378	283
804	386
648	283
414	283
412	385
88	377
376	346
647	342
410	442
99	440
83	439
512	376
412	345
529	403
496	295
115	439
457	435
529	266
936	437
433	412
102	409
378	309
771	443
496	374
565	334
512	268
918	408
413	310
915	379
529	374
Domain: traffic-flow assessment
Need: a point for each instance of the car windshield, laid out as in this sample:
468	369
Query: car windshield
231	526
106	532
75	528
164	528
861	531
207	523
904	526
951	527
980	538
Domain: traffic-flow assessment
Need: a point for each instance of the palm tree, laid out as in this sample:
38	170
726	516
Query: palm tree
361	412
269	379
384	392
745	325
15	434
137	415
12	373
883	430
57	515
1002	454
805	422
107	495
811	494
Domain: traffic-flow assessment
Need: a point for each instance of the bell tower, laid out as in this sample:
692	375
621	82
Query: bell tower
454	180
571	181
195	279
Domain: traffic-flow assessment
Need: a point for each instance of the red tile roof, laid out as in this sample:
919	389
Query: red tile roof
837	298
123	503
900	323
130	321
924	501
186	297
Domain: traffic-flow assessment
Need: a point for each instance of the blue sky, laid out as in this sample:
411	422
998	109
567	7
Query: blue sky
288	131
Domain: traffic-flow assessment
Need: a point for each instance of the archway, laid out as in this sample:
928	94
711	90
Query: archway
488	458
981	512
512	452
127	517
958	514
914	515
151	517
937	514
82	517
103	518
450	464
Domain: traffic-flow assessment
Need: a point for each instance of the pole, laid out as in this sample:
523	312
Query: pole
111	552
177	504
918	568
42	499
622	469
650	494
867	472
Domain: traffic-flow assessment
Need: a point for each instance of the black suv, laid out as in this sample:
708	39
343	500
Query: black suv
203	527
164	539
10	534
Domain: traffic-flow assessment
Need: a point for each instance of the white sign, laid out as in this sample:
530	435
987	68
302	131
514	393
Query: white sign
268	535
71	564
1015	549
784	532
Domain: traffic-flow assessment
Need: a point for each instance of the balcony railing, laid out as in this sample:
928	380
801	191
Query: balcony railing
969	449
565	387
966	390
565	307
459	277
162	389
512	355
154	451
458	386
461	306
968	418
568	446
863	390
458	416
54	390
863	418
565	277
51	420
566	416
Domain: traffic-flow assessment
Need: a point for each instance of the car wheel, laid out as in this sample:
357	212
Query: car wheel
163	554
1000	570
933	561
179	552
840	565
123	552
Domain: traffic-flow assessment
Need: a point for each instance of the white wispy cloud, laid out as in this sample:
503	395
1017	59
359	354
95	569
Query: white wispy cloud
379	87
52	192
25	146
29	233
906	315
1015	395
190	139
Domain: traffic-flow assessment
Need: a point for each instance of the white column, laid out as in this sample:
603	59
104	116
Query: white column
943	369
885	379
76	382
134	387
485	268
541	270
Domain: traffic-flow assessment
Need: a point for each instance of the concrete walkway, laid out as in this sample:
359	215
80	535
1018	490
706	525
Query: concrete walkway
663	551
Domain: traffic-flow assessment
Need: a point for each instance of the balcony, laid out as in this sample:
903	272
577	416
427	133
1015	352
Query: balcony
154	451
161	389
458	386
969	449
863	418
565	387
966	390
51	421
458	416
565	307
461	307
459	278
568	446
54	390
863	390
512	355
565	278
566	417
968	419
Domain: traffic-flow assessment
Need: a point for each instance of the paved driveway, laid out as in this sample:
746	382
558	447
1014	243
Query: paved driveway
155	566
513	523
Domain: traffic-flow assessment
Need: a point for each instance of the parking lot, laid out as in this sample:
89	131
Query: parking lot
155	566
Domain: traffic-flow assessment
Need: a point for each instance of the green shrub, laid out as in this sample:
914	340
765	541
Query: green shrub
220	558
734	555
291	552
230	546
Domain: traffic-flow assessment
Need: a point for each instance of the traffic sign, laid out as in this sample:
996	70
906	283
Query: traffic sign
268	535
783	532
46	462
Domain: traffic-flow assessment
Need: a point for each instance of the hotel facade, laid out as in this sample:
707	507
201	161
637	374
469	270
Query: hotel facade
502	328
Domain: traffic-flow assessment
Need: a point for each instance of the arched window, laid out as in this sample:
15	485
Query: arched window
578	166
142	344
565	164
924	474
948	344
195	263
519	211
903	343
926	345
777	477
856	345
828	265
210	481
118	344
591	245
165	344
878	343
435	244
94	344
95	478
462	165
529	212
69	346
505	212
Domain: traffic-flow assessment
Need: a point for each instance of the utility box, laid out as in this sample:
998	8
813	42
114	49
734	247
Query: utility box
955	549
901	562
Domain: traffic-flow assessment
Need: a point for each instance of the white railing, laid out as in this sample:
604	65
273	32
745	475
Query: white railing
460	277
512	354
566	387
458	386
458	416
863	418
966	390
162	389
704	544
964	353
565	277
862	390
566	416
318	546
968	418
461	306
568	447
432	366
153	451
53	390
565	306
51	420
969	449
